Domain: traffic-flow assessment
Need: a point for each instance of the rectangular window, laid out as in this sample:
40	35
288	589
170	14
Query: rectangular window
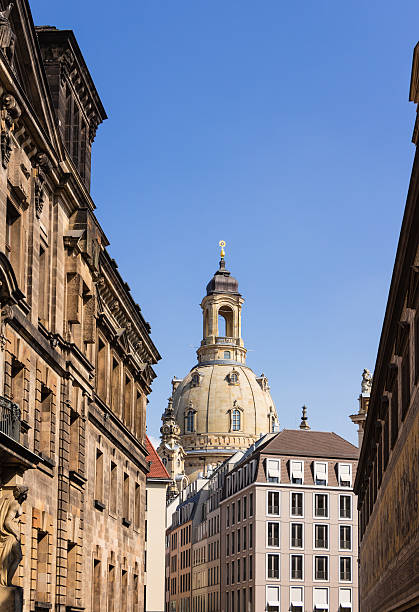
250	572
232	543
99	476
321	568
43	286
405	380
345	537
273	468
228	516
251	535
345	598
272	564
273	599
345	474
244	569
297	472
297	565
345	568
113	493
296	535
233	513
321	505
125	498
244	538
228	545
273	534
297	504
244	508
137	506
238	540
297	598
251	504
45	410
320	473
345	507
273	498
239	511
321	536
394	412
97	584
321	598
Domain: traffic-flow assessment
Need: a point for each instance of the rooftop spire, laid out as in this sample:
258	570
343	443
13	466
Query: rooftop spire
222	254
304	424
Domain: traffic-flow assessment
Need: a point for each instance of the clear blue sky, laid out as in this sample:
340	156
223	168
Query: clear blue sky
283	128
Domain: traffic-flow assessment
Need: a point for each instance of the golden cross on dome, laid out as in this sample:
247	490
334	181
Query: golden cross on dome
222	245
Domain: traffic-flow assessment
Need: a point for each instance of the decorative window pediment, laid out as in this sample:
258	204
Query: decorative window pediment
196	379
233	377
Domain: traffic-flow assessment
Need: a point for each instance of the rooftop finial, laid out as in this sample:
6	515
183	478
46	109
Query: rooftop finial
222	262
304	424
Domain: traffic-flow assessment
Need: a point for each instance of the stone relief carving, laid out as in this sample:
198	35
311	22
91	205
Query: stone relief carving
5	315
10	548
10	111
7	36
42	166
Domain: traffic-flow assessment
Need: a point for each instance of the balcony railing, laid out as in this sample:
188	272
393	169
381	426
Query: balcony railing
9	418
224	340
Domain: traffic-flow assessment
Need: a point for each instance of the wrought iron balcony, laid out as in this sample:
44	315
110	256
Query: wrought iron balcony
9	418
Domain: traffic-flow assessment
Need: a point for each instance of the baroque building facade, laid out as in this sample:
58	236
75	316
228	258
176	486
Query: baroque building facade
76	353
220	406
388	475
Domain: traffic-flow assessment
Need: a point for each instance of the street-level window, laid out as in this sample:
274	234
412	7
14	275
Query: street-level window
296	535
345	474
273	534
345	506
345	537
273	468
297	565
321	505
320	473
297	472
273	502
272	566
297	504
321	536
321	568
297	598
273	598
345	568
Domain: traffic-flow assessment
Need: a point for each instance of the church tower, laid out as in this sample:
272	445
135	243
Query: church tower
220	407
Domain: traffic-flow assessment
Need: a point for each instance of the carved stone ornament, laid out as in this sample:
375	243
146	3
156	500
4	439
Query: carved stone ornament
42	166
10	111
7	36
5	315
366	381
10	548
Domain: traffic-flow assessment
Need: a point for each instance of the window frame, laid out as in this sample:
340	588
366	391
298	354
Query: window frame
292	469
352	538
278	601
277	492
302	538
340	465
351	566
347	588
278	469
314	506
314	568
271	546
314	536
346	518
316	463
328	597
295	586
296	515
268	578
302	567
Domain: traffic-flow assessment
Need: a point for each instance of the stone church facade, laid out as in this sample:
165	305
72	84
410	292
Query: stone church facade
76	353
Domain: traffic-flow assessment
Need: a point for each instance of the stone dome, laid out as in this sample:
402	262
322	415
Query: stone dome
222	406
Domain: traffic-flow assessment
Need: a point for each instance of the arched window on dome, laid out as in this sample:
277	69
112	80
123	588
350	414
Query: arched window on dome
195	379
190	421
235	420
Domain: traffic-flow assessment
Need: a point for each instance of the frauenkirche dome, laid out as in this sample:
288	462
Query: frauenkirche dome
220	406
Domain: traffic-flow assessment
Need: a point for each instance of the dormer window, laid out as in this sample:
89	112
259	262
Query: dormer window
296	469
345	474
196	379
320	473
273	470
233	377
190	419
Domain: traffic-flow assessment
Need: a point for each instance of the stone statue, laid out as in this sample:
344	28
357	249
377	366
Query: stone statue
366	381
10	549
7	37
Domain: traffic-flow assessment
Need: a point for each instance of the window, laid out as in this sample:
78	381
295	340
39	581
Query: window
233	513
251	504
125	498
238	540
345	507
113	489
297	504
195	380
345	537
321	536
320	598
244	538
99	476
190	417
273	470
244	508
345	474
272	564
251	535
345	598
296	535
239	508
320	473
234	378
272	598
321	568
297	567
321	505
97	583
273	534
345	568
227	355
232	543
297	469
235	420
273	503
137	506
244	569
250	572
297	599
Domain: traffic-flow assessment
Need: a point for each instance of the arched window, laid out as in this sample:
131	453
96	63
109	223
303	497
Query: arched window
227	355
235	420
234	379
195	380
164	460
190	421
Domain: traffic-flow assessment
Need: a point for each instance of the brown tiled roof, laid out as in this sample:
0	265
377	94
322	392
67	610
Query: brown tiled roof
157	469
311	444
